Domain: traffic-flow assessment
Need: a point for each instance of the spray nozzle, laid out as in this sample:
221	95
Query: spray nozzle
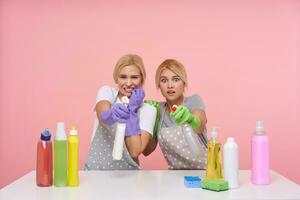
214	133
173	108
125	100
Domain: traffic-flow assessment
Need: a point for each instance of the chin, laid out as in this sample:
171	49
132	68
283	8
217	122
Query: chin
171	98
125	94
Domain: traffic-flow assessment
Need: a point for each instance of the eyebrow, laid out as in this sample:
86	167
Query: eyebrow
130	75
176	76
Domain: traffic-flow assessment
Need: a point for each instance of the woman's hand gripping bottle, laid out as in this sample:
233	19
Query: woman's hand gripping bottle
120	135
190	136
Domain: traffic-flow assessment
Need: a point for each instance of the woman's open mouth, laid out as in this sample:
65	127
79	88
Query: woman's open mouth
171	92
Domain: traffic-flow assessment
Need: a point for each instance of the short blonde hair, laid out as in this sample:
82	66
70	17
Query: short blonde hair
130	59
173	65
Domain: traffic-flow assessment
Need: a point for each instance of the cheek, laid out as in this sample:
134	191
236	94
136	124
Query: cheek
180	87
137	82
120	84
164	89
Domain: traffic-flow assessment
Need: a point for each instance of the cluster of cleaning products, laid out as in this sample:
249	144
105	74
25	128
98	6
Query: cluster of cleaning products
65	158
221	179
218	177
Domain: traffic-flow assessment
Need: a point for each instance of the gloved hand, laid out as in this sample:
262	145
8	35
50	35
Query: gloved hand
155	104
136	99
182	115
117	113
132	124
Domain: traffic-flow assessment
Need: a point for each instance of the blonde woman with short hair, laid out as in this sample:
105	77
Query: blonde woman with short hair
171	79
129	75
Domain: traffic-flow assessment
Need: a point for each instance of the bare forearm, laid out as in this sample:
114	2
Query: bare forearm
202	117
150	147
137	144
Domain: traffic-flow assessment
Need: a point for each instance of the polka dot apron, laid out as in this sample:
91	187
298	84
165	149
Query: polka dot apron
176	150
100	153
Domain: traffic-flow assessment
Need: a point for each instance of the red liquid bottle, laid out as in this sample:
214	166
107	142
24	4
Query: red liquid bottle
44	160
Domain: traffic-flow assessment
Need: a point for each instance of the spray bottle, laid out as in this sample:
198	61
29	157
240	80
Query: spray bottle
260	156
60	156
73	143
191	137
120	135
44	160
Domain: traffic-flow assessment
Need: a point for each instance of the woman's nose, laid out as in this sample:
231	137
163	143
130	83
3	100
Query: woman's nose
128	82
170	84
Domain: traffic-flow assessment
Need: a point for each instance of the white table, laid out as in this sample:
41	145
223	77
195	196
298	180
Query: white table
121	185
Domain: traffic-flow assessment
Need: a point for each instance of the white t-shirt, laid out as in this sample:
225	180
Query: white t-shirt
146	113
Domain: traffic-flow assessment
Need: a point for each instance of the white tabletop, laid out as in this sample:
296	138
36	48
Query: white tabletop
152	185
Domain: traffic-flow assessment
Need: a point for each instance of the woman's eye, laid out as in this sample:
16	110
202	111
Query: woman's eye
177	79
163	80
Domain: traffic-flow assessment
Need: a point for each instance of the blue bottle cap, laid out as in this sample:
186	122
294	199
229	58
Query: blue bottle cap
46	135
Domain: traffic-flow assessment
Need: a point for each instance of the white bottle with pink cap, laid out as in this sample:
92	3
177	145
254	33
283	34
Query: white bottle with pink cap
260	156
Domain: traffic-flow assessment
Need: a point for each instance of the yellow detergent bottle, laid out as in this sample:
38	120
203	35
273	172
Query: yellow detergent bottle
214	159
73	143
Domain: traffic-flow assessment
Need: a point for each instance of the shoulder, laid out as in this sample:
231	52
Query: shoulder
106	93
146	109
194	101
194	98
107	89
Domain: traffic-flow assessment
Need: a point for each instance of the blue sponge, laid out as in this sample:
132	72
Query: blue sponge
192	182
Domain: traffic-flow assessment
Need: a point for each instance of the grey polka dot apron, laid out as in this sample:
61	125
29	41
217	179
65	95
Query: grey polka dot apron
175	148
100	153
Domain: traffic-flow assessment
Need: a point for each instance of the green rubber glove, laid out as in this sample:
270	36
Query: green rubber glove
182	115
155	104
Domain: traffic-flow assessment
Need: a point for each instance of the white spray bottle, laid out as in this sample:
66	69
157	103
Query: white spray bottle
120	135
191	138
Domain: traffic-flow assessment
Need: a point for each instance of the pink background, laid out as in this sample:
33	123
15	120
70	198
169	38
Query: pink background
242	58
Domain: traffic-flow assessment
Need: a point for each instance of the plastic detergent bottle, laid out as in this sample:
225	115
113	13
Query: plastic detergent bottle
73	143
214	160
231	162
260	156
44	160
60	156
120	135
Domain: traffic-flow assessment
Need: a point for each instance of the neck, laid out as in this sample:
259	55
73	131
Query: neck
178	101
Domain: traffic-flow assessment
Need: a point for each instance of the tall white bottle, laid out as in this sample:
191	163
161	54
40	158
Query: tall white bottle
120	135
231	162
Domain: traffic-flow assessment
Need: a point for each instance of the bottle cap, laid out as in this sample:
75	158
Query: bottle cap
230	139
214	133
73	131
173	108
125	100
260	128
60	131
46	135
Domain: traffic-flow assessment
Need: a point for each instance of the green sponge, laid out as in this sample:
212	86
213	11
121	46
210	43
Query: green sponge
214	184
